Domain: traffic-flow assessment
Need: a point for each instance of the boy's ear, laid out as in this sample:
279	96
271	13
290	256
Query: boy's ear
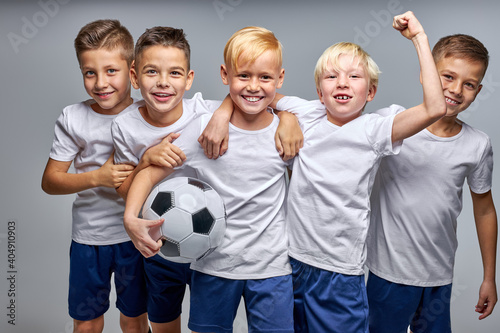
223	74
281	78
189	79
320	95
371	93
478	90
133	76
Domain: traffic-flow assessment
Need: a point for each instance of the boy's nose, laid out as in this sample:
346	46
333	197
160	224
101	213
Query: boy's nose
101	82
342	81
253	84
162	82
455	88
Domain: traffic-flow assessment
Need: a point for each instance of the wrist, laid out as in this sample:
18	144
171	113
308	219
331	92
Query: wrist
420	38
94	178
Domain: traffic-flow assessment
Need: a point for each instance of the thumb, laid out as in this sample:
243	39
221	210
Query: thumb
155	229
480	304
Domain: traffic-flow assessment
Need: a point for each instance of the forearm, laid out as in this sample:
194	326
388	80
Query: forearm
486	226
69	183
125	186
433	99
487	230
141	186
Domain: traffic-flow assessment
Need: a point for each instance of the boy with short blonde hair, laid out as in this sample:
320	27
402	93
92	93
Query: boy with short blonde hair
411	250
328	198
100	244
252	261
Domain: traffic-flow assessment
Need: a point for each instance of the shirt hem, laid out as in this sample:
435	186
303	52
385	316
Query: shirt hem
410	282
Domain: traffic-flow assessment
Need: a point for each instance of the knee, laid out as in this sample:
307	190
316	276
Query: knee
88	326
137	324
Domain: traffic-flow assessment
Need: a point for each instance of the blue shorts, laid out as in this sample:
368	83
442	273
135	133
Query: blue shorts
394	306
326	301
166	282
90	272
215	300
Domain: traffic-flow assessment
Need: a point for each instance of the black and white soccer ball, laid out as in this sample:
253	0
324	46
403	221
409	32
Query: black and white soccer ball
195	218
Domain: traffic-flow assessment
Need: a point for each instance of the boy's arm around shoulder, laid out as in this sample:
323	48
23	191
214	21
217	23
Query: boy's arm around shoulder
215	137
139	229
486	225
417	118
288	137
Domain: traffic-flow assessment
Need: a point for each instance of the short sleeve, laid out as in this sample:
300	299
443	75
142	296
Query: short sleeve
379	134
480	178
307	112
203	106
123	154
64	147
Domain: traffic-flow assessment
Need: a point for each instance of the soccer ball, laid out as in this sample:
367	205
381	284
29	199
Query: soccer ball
195	218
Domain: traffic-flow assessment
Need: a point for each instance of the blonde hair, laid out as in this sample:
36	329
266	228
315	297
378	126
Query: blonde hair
331	56
253	42
106	34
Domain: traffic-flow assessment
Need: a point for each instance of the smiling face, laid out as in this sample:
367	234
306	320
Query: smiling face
106	80
461	81
252	86
345	89
163	77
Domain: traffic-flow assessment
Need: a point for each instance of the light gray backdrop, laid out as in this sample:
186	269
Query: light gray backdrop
40	75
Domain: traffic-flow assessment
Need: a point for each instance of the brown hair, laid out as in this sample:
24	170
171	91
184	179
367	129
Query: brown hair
106	34
163	36
461	46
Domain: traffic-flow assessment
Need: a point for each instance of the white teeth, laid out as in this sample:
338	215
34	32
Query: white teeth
162	95
252	99
342	97
451	101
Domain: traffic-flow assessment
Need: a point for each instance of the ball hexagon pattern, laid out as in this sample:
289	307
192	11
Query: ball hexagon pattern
195	218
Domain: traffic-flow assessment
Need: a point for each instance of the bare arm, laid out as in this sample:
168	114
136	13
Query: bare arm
487	228
215	137
57	180
288	138
138	229
417	118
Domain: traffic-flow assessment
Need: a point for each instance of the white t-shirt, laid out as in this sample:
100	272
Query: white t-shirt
133	135
328	203
83	136
250	178
416	200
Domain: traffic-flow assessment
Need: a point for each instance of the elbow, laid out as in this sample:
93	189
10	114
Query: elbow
47	186
437	110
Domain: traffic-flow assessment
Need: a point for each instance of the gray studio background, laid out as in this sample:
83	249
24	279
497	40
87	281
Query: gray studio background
40	75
